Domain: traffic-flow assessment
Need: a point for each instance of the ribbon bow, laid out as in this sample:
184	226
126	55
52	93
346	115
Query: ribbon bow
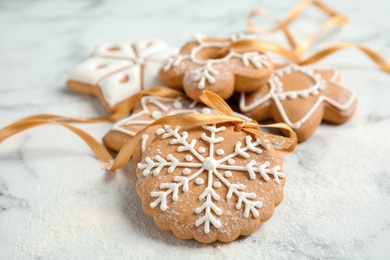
226	115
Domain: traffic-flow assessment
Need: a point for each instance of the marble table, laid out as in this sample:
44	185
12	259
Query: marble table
58	202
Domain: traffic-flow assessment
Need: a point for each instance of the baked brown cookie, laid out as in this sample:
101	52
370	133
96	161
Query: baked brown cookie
114	72
210	182
196	69
149	109
301	97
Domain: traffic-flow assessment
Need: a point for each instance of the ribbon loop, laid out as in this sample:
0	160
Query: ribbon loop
297	51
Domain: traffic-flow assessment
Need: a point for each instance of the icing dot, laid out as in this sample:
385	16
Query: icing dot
201	149
160	131
292	96
206	110
156	114
228	174
217	184
177	104
220	152
199	181
186	171
189	158
231	161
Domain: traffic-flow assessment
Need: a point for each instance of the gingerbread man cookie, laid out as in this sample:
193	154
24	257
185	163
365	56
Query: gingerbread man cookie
196	69
114	72
301	97
209	182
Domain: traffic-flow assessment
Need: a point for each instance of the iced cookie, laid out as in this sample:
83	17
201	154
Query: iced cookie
195	68
209	183
146	112
301	97
114	72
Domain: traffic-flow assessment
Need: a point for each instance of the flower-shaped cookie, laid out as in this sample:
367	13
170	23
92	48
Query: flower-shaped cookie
301	97
114	72
209	182
196	68
149	109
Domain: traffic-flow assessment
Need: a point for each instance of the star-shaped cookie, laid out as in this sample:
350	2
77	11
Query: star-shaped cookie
114	72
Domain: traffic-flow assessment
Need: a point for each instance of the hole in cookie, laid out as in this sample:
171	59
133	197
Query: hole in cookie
125	79
209	53
149	44
113	48
101	66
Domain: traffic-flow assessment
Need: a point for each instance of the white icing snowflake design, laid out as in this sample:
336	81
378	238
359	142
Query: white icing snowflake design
122	69
203	159
206	71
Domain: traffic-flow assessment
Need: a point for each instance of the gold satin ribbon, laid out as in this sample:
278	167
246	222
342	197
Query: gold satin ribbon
286	144
296	52
120	110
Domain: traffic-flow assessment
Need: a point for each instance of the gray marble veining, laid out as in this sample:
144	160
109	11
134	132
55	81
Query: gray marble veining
57	202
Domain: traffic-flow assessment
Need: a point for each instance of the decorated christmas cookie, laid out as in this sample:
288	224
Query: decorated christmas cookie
301	97
148	110
114	72
209	182
195	68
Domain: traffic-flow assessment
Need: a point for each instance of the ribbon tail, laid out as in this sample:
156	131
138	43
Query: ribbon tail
101	153
375	57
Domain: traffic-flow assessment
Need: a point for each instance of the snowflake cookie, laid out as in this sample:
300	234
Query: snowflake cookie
209	182
301	97
149	109
114	72
195	68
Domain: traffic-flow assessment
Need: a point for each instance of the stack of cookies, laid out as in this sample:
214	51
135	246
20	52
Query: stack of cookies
209	182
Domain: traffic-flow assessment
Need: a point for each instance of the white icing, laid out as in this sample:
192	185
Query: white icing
199	181
147	56
144	138
115	91
118	50
212	167
159	110
162	107
220	151
277	95
203	74
217	184
201	149
206	73
93	69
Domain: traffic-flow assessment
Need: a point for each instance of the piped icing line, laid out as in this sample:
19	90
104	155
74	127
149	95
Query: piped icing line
209	210
158	102
277	95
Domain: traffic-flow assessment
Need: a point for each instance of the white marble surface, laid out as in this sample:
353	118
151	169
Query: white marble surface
57	201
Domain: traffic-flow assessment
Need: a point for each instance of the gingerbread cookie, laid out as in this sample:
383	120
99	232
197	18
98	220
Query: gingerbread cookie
301	97
209	182
149	109
114	72
195	68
